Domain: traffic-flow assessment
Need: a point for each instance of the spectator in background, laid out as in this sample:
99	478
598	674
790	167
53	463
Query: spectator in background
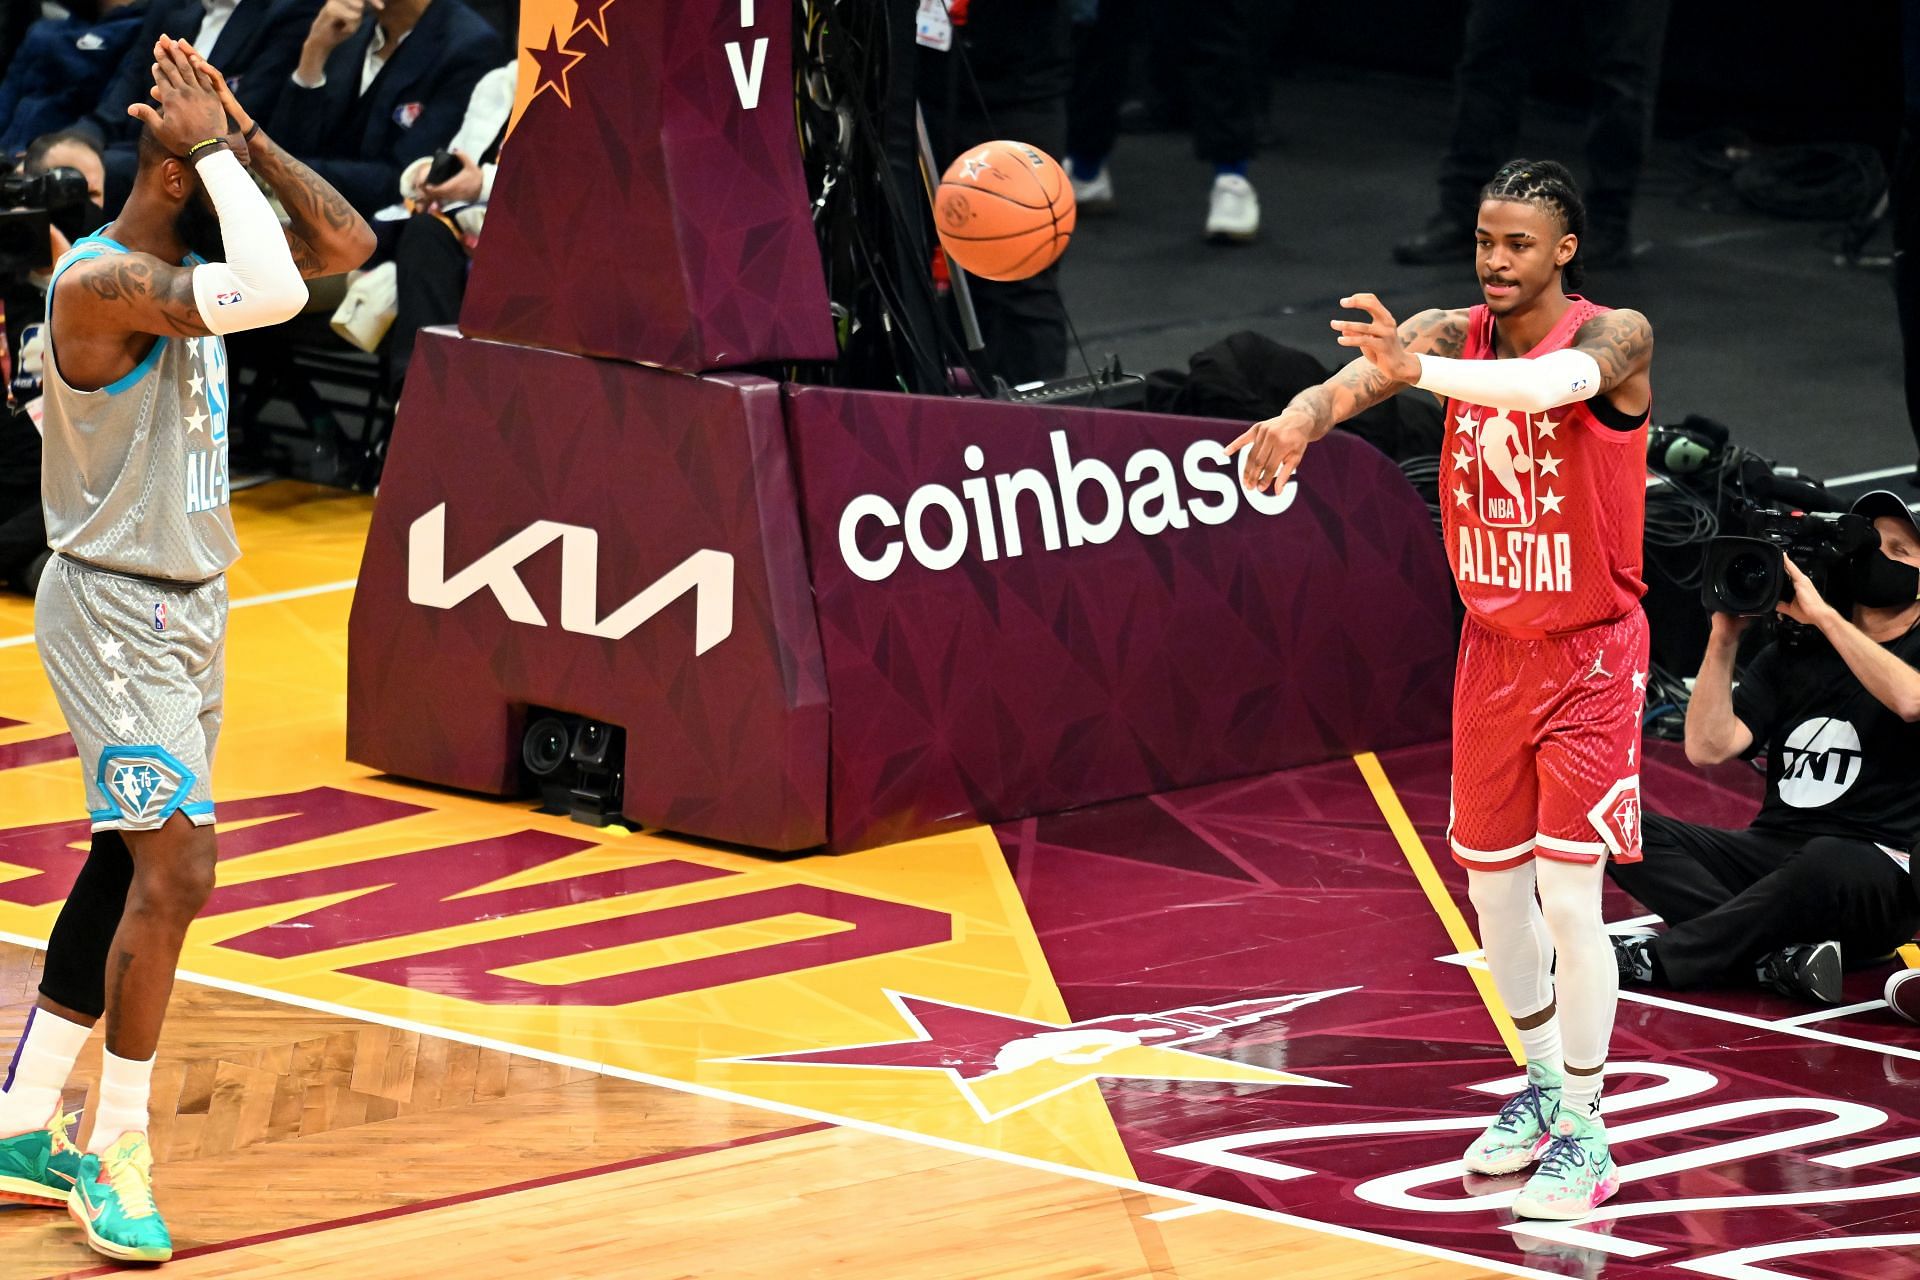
1620	49
376	89
1224	58
61	67
71	149
437	242
255	43
15	18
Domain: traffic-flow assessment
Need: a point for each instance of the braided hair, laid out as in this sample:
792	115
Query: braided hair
1547	184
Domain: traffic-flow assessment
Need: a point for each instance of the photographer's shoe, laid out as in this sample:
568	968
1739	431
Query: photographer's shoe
1903	994
1633	954
1522	1130
1809	972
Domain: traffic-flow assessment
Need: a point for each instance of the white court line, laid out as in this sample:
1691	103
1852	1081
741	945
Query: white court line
1821	1015
275	597
1884	473
1184	1211
849	1122
1762	1024
1794	1026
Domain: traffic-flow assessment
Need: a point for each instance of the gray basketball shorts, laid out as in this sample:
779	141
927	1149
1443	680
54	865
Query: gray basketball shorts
137	666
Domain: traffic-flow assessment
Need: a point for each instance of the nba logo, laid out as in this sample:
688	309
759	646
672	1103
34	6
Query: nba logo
160	615
1506	470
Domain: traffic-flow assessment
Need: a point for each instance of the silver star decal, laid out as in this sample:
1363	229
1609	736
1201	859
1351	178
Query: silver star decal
1461	458
1549	465
196	421
1550	501
125	724
1463	423
1631	748
1460	495
1640	681
196	382
1547	427
118	684
109	649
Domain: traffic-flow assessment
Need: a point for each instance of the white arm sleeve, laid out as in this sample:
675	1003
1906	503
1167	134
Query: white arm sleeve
1530	385
258	284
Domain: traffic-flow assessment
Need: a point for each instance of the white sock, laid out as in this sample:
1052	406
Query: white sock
41	1064
1581	1092
124	1089
1589	978
1519	953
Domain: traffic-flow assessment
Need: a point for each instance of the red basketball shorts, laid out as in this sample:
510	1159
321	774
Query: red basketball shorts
1546	745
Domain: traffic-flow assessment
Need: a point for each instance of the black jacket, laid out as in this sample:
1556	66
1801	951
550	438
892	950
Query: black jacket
361	142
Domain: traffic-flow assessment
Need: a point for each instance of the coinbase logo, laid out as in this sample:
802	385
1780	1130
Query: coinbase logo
1820	762
993	517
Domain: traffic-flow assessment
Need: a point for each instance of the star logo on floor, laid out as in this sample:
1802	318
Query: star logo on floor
1003	1064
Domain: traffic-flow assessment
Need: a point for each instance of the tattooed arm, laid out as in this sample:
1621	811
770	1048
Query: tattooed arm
327	236
1621	343
1274	447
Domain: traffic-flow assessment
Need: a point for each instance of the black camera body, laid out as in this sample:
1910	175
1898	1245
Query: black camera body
1744	575
56	190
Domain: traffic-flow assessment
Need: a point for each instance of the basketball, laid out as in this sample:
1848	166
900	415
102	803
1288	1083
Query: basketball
1005	210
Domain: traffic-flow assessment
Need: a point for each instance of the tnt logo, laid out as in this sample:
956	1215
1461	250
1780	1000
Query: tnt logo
142	783
1617	818
1506	470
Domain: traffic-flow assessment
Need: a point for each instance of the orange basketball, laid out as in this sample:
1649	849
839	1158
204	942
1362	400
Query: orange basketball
1005	210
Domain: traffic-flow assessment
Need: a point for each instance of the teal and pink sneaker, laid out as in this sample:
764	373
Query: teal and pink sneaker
113	1200
1520	1133
39	1167
1576	1175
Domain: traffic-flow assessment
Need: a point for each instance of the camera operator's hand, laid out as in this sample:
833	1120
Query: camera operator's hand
1807	605
1727	627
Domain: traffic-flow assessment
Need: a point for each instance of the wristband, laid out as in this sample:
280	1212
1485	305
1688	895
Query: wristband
251	130
203	144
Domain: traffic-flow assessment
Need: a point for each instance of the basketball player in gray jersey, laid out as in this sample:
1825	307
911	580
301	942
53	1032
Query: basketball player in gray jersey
131	613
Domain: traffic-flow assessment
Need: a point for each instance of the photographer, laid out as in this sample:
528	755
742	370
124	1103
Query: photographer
62	178
1820	880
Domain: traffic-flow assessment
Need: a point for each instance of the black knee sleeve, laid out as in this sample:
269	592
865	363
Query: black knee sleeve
76	973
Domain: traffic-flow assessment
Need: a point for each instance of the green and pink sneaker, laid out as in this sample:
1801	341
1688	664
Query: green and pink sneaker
113	1200
1520	1133
39	1167
1576	1174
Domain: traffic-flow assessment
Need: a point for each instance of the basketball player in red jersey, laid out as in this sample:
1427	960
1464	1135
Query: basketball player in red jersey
1547	398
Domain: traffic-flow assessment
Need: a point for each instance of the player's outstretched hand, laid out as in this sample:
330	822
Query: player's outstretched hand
189	111
1378	338
1273	448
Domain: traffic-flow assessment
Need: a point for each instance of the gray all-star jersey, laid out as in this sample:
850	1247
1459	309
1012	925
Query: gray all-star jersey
134	475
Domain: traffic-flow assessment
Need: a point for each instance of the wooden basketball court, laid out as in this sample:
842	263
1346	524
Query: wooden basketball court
312	1123
1242	1030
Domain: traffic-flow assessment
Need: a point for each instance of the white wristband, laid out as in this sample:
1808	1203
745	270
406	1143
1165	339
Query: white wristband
1530	385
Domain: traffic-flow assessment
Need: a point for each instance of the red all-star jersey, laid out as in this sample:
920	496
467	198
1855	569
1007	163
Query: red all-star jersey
1544	511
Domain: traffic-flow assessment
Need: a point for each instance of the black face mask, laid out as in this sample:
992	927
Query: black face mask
199	229
1881	582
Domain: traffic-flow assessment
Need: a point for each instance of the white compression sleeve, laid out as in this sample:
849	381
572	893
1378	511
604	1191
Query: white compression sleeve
1530	385
258	284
